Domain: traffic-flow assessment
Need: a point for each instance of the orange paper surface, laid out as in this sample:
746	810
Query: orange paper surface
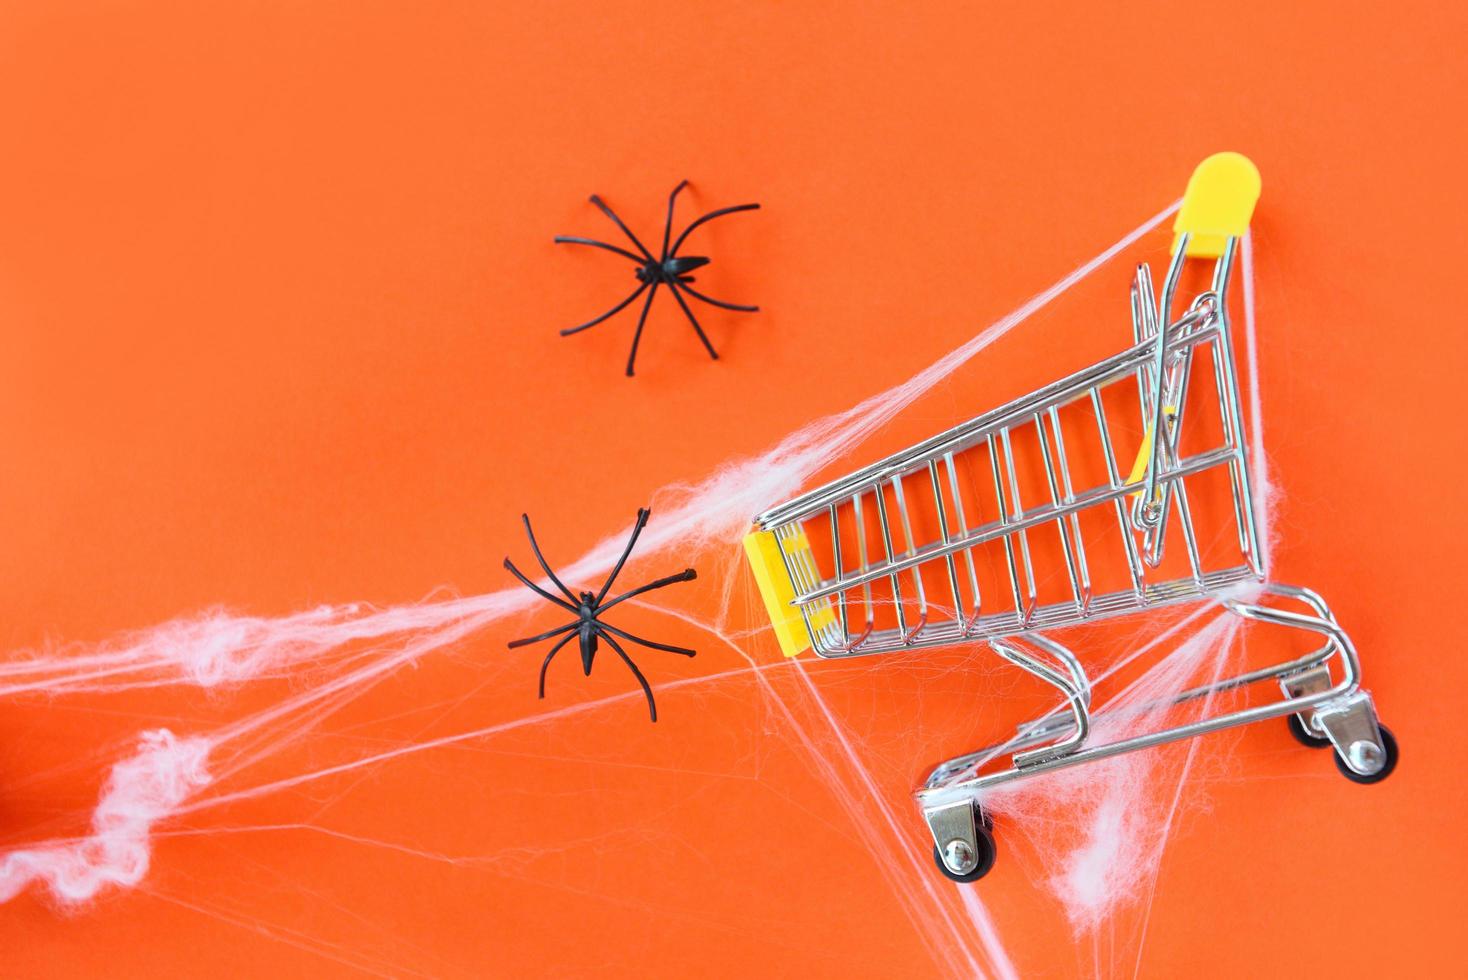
279	306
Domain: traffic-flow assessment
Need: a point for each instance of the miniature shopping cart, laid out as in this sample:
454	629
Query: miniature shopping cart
1122	488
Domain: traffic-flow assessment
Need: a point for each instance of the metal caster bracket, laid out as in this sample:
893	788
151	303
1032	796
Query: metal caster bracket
1310	681
956	835
1351	725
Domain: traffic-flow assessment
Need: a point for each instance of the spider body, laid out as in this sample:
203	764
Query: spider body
668	270
587	627
585	632
654	272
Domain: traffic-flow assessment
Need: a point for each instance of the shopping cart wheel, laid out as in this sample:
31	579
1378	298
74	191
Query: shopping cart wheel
1388	742
1305	736
984	857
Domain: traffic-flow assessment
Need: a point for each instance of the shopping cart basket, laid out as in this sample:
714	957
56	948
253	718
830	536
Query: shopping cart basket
980	534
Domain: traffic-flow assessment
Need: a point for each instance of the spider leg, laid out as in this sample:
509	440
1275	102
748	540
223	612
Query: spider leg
544	636
683	285
651	704
539	591
642	515
641	322
668	228
682	651
609	313
710	217
687	575
601	205
696	328
541	558
545	664
577	240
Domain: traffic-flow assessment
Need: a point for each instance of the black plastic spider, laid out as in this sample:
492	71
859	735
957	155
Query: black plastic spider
588	609
671	269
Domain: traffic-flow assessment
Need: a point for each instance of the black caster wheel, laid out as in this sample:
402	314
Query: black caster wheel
985	856
1389	742
1305	736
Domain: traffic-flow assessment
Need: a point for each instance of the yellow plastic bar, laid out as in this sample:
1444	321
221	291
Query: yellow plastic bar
1217	205
763	550
1144	454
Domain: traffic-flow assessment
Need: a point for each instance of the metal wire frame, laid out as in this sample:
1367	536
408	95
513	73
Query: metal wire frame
1160	363
962	775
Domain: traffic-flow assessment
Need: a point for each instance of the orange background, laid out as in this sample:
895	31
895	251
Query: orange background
279	304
